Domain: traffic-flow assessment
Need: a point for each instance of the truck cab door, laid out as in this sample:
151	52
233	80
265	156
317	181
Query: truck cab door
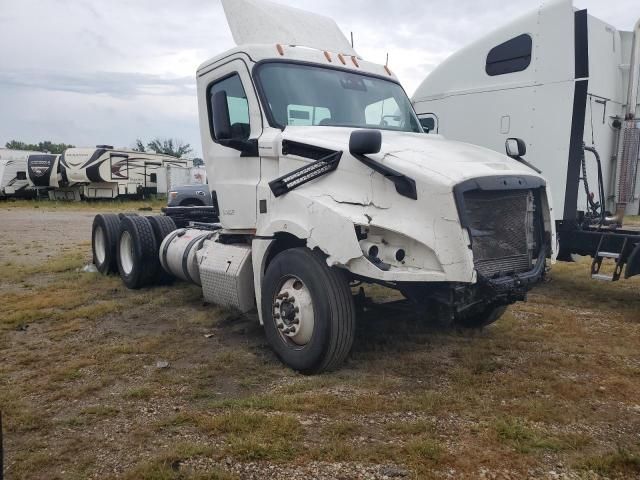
233	165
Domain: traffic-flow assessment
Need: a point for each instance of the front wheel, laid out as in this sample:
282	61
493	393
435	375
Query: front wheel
308	311
487	316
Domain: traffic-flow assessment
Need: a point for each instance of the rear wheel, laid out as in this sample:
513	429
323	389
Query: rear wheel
162	226
308	311
138	261
104	242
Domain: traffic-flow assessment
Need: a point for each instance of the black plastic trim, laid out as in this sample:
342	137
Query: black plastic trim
519	280
405	186
581	34
323	165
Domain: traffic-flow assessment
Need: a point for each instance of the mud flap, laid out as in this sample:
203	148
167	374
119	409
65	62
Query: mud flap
633	264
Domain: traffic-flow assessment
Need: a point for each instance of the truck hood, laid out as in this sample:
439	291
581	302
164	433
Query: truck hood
419	155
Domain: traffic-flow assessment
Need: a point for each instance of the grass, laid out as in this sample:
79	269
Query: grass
525	439
618	462
154	204
555	381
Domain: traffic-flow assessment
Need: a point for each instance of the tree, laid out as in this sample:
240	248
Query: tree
169	146
46	146
139	146
198	162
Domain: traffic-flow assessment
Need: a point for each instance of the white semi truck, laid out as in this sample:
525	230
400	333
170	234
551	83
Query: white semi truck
323	178
567	84
100	173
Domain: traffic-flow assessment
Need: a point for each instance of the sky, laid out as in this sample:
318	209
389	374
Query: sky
90	72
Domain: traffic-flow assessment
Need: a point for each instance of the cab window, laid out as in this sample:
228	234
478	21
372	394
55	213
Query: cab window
385	113
237	103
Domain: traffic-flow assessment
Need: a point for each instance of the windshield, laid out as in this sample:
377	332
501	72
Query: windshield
308	95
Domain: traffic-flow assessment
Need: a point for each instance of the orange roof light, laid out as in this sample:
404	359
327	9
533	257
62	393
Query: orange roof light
327	56
341	58
355	62
280	49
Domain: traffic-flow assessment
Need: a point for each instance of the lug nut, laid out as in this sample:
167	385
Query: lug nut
283	295
276	315
292	299
296	310
295	321
281	326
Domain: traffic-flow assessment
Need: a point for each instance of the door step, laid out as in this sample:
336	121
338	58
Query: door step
601	277
609	255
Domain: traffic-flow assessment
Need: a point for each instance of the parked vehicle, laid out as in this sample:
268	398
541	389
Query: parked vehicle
566	83
190	196
101	173
323	178
13	173
172	177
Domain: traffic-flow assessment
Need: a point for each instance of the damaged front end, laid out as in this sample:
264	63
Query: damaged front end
504	217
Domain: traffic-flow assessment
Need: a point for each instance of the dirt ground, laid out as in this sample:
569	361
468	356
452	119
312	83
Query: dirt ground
97	381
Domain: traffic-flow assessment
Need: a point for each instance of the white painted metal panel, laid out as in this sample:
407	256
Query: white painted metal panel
264	22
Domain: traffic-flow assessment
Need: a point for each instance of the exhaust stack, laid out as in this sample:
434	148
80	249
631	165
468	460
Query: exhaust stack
630	134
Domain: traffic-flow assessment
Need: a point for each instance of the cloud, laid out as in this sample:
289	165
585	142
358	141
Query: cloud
116	84
90	72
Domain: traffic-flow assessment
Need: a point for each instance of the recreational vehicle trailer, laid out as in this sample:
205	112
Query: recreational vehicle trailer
324	179
566	83
13	173
43	171
105	172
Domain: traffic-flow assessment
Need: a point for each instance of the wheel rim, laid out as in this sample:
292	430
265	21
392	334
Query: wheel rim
99	244
126	252
293	312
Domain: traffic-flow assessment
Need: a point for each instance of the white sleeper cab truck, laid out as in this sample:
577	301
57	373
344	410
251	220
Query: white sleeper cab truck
323	178
13	173
566	83
104	172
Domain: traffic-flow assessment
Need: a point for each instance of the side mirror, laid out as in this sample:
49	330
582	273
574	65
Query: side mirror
428	124
221	121
364	142
515	147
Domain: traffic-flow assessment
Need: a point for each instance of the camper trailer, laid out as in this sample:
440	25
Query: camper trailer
43	171
324	179
566	84
13	173
104	172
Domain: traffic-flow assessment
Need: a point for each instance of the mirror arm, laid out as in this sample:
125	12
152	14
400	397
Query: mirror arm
405	186
524	162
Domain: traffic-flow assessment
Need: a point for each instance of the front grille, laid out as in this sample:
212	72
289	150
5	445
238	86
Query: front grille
501	224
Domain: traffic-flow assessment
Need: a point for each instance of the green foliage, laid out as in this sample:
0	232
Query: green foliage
46	146
139	146
168	146
198	162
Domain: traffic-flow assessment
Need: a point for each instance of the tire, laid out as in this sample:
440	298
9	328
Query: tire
138	261
105	233
324	343
162	226
121	216
489	315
